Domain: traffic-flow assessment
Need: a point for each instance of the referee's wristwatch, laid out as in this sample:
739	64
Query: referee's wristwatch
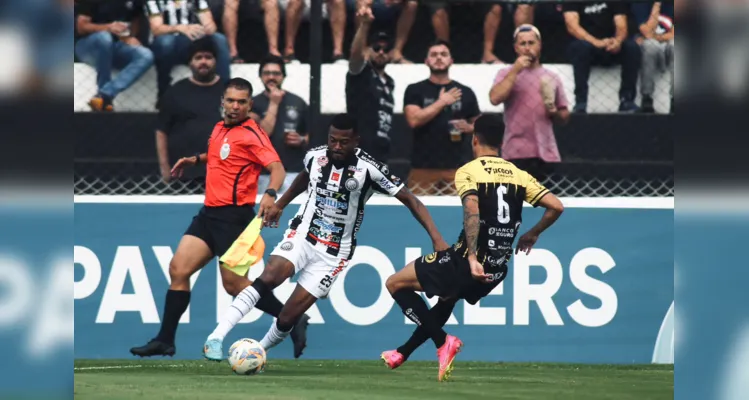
272	193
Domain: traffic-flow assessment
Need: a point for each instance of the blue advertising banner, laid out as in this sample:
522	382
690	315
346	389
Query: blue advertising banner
596	289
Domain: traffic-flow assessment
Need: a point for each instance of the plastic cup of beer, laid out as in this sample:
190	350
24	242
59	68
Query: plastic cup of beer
455	134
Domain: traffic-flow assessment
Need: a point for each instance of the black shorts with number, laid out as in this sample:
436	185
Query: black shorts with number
219	227
447	274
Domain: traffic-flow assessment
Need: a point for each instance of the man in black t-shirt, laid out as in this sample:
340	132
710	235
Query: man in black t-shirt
441	112
189	111
369	90
283	116
600	38
106	38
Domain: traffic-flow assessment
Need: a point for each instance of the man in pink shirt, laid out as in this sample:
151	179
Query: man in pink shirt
534	99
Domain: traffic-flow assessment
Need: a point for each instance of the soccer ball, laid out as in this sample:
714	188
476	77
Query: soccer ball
247	357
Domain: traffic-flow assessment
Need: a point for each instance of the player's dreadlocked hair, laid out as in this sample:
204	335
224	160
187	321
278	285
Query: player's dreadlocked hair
344	122
489	130
240	84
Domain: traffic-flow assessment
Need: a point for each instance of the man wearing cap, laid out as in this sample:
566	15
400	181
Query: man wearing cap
534	99
189	110
369	90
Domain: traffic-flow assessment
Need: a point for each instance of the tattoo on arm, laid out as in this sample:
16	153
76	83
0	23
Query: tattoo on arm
471	223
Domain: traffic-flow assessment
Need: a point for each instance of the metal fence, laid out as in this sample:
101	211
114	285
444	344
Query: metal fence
123	160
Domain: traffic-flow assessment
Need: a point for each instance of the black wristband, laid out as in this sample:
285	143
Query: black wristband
197	158
272	193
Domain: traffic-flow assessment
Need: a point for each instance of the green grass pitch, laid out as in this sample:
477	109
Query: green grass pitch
329	379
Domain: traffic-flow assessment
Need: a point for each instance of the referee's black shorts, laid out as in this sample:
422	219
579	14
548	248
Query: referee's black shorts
447	274
219	227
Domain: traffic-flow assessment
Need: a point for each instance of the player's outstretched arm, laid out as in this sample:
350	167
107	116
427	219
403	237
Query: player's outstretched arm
297	187
422	215
554	209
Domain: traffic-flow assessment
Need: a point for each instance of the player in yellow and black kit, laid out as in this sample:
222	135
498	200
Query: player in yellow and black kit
492	191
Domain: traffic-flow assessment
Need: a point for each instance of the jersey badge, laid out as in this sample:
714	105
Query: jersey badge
225	151
322	161
352	184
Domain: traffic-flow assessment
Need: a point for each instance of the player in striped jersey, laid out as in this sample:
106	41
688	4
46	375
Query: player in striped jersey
492	191
320	241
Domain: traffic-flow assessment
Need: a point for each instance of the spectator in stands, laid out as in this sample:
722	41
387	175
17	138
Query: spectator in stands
656	39
335	10
441	112
283	116
386	10
523	15
534	98
175	24
600	37
105	35
369	90
189	111
230	27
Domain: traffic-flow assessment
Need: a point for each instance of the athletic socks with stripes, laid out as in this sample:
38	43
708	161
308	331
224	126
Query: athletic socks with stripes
257	295
274	336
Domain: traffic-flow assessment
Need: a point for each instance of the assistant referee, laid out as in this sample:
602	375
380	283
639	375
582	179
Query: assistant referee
238	150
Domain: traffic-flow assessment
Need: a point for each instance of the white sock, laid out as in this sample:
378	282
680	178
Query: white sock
273	337
241	306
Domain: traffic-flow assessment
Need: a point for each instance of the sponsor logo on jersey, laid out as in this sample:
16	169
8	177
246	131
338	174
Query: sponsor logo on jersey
331	193
429	258
495	170
332	203
395	180
495	276
335	177
386	184
357	223
327	226
325	235
494	261
502	232
444	259
354	168
320	213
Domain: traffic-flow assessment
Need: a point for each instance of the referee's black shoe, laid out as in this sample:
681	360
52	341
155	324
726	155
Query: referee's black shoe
299	335
154	348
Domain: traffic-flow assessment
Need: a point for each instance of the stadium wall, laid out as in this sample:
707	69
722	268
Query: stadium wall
596	289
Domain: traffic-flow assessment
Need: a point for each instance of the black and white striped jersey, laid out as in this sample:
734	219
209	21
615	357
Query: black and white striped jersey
177	12
333	213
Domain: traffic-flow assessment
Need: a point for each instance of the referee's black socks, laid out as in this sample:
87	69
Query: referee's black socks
441	313
416	310
175	305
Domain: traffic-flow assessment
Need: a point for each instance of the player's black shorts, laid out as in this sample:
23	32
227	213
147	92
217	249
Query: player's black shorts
219	227
447	274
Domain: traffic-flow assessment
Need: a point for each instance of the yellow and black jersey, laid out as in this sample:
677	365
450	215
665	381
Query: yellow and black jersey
501	188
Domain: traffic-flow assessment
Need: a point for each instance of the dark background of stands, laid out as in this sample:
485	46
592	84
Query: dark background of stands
467	43
602	154
607	147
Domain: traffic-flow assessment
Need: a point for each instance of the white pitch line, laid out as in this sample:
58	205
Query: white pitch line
128	366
